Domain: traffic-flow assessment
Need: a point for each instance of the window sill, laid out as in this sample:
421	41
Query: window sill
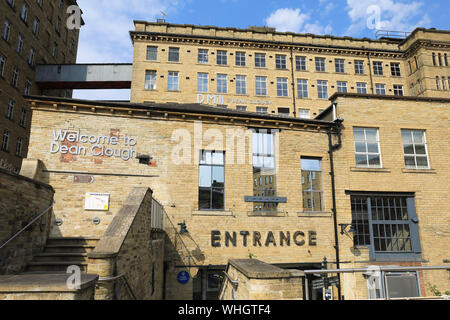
267	214
381	170
213	213
422	171
314	214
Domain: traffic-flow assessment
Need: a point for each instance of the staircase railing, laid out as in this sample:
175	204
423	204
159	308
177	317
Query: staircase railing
27	226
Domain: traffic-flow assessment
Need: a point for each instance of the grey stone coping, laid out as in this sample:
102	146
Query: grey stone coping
23	178
257	269
43	282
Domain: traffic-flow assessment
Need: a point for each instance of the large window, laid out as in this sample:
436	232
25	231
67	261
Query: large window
260	60
280	61
150	80
6	30
282	87
264	169
211	181
5	140
312	185
152	53
222	57
240	59
10	111
320	64
300	63
415	149
359	66
367	147
261	86
222	83
2	64
340	65
361	87
173	81
387	224
380	89
202	82
378	68
398	90
174	54
15	78
342	86
302	88
395	69
322	89
241	84
203	56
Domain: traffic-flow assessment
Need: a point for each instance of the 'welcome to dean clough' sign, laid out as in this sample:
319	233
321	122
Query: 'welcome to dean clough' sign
99	145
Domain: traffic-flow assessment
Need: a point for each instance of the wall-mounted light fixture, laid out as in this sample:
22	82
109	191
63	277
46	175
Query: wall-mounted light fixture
183	228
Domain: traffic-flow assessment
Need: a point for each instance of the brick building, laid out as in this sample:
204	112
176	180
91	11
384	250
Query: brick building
32	32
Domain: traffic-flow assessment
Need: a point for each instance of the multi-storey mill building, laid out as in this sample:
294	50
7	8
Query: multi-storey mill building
259	69
33	32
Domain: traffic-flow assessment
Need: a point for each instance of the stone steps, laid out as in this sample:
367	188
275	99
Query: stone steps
50	267
62	257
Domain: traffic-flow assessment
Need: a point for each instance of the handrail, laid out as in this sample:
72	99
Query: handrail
27	226
122	276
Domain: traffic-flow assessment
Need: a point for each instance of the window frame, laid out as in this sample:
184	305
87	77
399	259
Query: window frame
173	52
212	166
240	59
222	83
321	64
222	57
260	60
280	62
201	81
367	154
311	190
415	154
241	89
282	87
323	85
339	65
302	88
171	84
259	89
300	63
378	68
359	67
149	53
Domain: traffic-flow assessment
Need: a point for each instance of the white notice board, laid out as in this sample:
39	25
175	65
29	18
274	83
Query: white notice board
97	201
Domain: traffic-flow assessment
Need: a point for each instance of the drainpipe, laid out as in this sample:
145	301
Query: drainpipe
370	70
337	130
293	83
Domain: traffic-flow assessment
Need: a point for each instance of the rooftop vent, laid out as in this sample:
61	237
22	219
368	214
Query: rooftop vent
160	20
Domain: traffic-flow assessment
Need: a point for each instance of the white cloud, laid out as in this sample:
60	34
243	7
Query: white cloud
395	15
294	20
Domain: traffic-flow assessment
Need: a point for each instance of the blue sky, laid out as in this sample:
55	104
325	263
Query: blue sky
105	36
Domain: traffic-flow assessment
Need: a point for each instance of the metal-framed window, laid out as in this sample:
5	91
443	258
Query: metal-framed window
415	149
302	88
280	61
260	60
222	83
150	80
31	57
152	53
359	66
202	82
395	69
203	56
24	12
378	68
312	184
19	46
398	90
6	30
5	140
241	84
240	59
261	86
27	89
340	65
15	77
174	54
380	89
322	89
342	86
211	180
173	81
23	118
300	63
282	87
10	111
367	147
361	87
388	224
320	64
222	57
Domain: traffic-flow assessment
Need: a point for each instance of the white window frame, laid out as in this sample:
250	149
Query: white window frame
342	86
240	59
203	56
300	63
241	84
304	113
361	87
280	62
378	68
322	89
150	80
380	89
415	155
202	82
302	88
367	153
261	86
222	83
151	52
359	67
222	57
321	64
282	87
339	65
260	60
173	81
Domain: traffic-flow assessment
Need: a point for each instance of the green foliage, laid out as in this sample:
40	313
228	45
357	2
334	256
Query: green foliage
434	290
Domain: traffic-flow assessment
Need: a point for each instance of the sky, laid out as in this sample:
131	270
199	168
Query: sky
105	36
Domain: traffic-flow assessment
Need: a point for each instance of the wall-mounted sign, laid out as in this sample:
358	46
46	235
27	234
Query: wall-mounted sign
215	99
183	277
96	202
83	179
266	199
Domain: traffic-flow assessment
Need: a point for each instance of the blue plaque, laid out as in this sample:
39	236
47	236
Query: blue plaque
183	277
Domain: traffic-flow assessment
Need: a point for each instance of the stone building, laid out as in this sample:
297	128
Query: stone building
32	33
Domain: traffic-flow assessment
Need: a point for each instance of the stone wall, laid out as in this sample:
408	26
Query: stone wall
22	200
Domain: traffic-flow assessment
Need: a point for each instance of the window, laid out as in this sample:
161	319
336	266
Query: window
361	87
31	57
380	89
340	65
302	88
152	53
434	59
444	83
415	149
241	84
312	185
6	30
19	44
11	3
260	60
300	63
202	82
261	109
261	86
440	59
446	59
23	118
24	12
19	147
173	81
5	140
54	50
2	64
174	54
367	147
27	87
398	90
15	78
222	83
241	108
280	61
203	56
150	80
58	25
36	26
342	86
386	224
10	111
240	59
378	68
264	170
285	112
395	69
211	181
282	87
320	64
438	84
72	45
322	89
222	57
359	67
304	113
